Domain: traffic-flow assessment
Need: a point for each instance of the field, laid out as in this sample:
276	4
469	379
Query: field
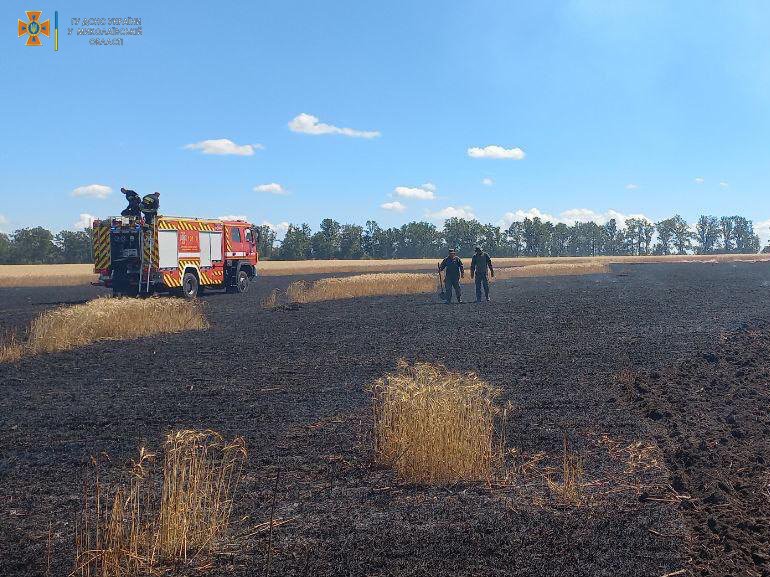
82	274
653	376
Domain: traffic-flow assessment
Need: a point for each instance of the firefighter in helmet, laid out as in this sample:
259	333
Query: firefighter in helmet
150	204
134	203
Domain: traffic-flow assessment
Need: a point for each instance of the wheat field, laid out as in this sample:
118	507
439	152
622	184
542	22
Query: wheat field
65	328
82	274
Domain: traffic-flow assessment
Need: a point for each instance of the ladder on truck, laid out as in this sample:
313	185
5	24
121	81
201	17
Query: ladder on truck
149	264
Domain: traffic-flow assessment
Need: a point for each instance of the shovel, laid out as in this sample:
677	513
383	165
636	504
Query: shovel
441	292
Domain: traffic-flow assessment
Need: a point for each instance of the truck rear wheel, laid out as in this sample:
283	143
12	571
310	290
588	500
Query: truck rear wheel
190	285
241	283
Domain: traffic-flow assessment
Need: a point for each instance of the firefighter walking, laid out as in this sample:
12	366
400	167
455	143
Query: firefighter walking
481	264
453	267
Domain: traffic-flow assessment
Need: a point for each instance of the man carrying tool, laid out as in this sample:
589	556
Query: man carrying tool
454	270
150	203
480	263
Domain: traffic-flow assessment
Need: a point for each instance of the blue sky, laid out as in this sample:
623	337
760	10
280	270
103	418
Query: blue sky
597	109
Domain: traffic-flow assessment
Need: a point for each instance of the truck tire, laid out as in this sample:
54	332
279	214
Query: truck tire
241	284
190	285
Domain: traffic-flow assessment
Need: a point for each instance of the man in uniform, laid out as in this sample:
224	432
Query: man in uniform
150	204
134	202
454	270
480	263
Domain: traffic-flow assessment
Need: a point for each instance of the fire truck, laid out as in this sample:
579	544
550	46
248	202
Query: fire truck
174	254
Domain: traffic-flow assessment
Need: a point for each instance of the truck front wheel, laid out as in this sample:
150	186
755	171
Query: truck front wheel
189	285
241	283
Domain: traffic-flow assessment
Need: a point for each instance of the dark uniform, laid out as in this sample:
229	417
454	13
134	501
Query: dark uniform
454	270
134	204
150	204
481	264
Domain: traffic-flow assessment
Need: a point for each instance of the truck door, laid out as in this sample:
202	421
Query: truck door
237	241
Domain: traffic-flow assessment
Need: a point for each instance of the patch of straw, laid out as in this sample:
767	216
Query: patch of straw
142	525
570	488
435	426
65	328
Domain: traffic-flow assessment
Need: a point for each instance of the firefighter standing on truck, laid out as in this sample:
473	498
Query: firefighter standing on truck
134	203
480	263
150	204
454	270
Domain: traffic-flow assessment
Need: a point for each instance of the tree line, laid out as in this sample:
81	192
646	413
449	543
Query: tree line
529	237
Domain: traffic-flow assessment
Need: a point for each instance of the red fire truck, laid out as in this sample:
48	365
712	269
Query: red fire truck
174	254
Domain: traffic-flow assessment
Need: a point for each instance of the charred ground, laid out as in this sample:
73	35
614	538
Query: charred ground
657	375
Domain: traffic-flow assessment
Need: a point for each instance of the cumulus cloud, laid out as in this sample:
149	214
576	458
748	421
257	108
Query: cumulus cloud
85	221
452	211
3	222
487	181
100	191
495	151
699	180
233	217
309	124
425	192
223	146
271	188
569	217
280	228
724	184
632	186
395	206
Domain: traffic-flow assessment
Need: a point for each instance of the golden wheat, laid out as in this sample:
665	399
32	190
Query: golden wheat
104	318
79	274
434	426
570	488
128	530
403	283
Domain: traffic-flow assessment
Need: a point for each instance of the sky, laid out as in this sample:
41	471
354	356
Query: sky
293	111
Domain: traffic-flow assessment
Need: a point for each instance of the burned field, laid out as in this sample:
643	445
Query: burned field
655	376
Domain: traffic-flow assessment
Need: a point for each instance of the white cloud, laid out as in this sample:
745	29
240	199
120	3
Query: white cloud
223	146
761	228
394	206
233	217
495	151
699	180
452	211
425	192
100	191
632	186
85	221
724	184
569	217
309	124
3	222
280	228
272	188
487	181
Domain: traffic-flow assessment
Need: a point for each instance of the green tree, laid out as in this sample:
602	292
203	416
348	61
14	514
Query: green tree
462	234
74	247
537	236
745	240
266	241
33	246
351	242
726	226
707	234
419	240
326	242
296	243
683	236
5	248
665	236
514	237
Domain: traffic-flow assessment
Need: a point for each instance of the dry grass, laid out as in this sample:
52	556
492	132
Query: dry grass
403	283
131	528
79	274
434	426
65	328
570	488
23	275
